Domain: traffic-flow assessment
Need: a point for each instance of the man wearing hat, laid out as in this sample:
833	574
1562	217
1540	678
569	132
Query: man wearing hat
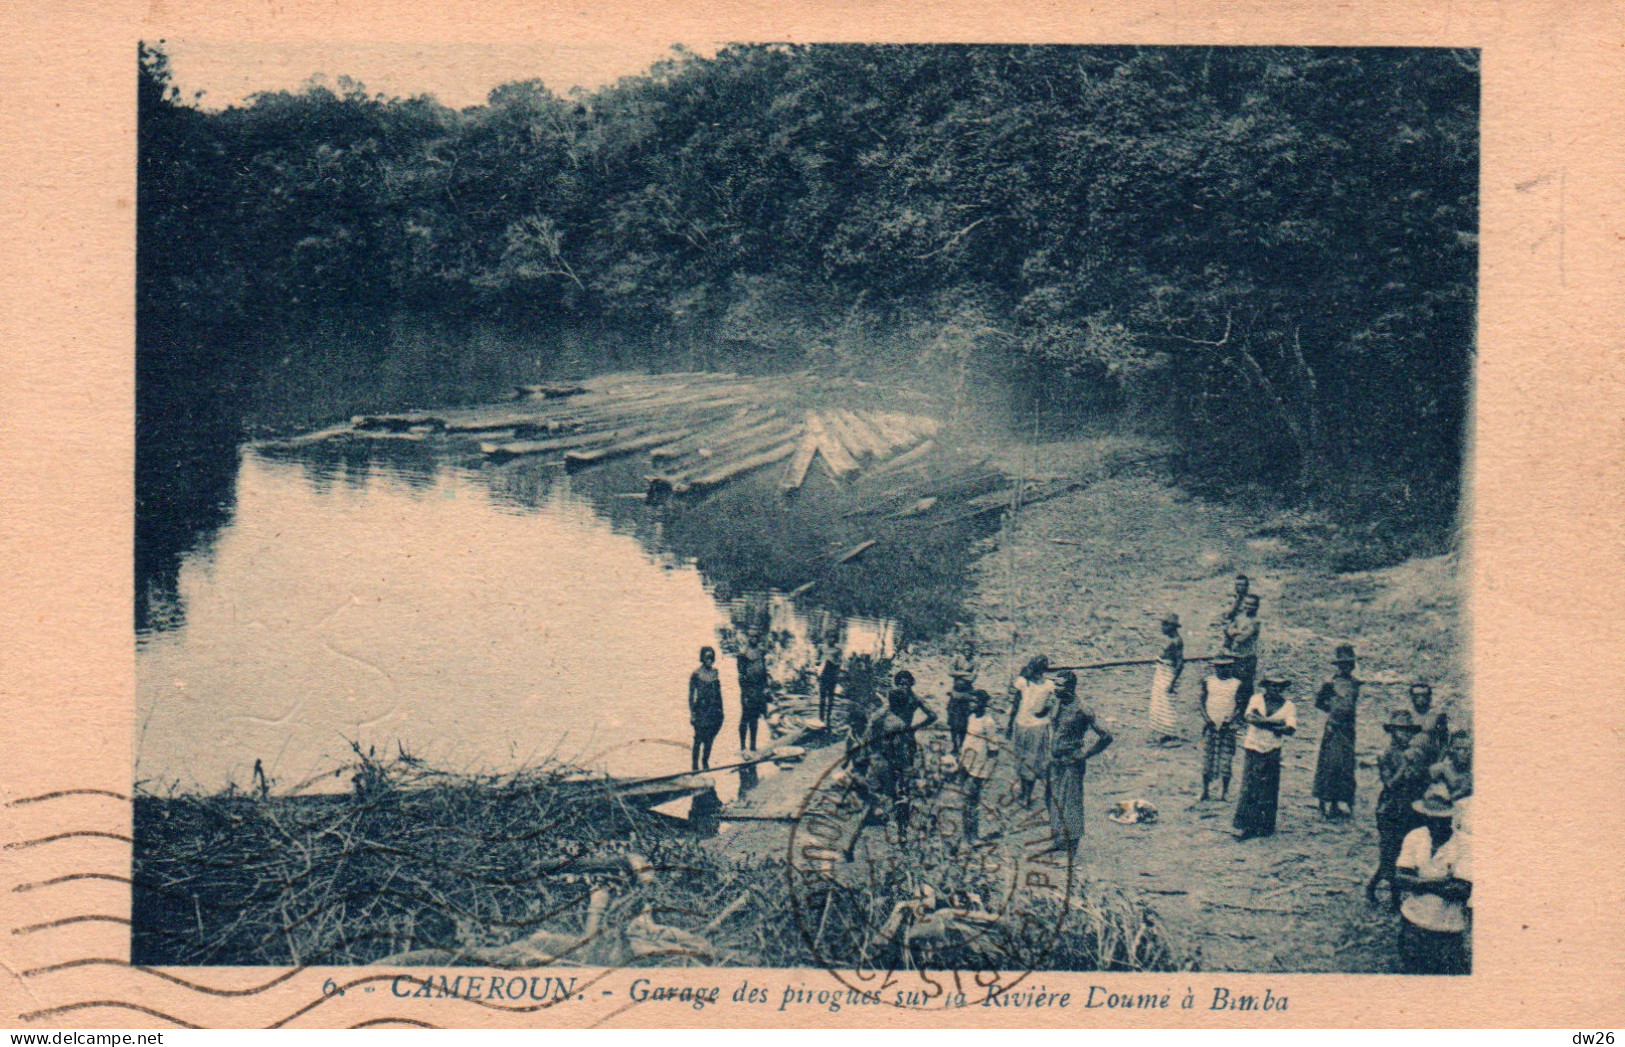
1404	774
1269	718
1221	720
1338	698
1432	876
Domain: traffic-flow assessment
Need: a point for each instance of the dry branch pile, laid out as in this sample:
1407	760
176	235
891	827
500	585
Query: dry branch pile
540	867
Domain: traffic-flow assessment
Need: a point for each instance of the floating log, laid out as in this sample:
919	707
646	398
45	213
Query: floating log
856	551
575	460
835	455
484	421
803	589
740	467
796	475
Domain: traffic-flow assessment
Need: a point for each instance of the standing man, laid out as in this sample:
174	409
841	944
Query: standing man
1334	772
1270	717
1404	778
1434	723
1243	586
752	689
1241	643
829	675
1063	790
960	702
976	759
963	665
1221	721
1433	877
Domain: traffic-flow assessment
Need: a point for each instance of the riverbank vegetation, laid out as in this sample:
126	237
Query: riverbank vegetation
546	866
1267	254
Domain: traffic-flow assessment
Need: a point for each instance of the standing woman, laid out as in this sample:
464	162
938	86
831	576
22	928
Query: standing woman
704	707
1334	771
1165	683
1033	695
1270	717
752	689
1063	792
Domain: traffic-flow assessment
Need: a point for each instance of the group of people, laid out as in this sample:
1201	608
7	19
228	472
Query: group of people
1426	773
705	712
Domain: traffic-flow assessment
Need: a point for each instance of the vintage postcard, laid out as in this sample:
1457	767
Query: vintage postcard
814	517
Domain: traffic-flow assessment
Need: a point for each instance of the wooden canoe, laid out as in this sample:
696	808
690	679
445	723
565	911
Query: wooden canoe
684	480
582	459
796	475
840	462
395	423
307	439
865	433
836	426
903	461
739	467
517	448
552	390
740	420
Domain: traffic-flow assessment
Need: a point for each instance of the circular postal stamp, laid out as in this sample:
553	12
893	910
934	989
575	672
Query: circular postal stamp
895	875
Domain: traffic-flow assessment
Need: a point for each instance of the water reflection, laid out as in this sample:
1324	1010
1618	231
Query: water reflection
477	618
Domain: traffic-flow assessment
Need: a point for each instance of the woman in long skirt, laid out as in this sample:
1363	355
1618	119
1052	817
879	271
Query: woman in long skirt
1165	684
1033	695
1334	769
1269	717
1063	792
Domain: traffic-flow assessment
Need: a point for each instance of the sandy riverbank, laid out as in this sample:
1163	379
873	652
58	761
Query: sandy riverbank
1084	578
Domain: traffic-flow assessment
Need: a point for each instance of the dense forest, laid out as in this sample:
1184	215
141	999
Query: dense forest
1268	254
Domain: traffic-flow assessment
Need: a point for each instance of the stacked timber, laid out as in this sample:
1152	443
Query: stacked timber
746	451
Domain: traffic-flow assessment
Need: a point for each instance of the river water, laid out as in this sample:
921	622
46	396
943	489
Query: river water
481	619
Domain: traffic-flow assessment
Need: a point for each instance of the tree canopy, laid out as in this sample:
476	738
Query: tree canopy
1273	250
